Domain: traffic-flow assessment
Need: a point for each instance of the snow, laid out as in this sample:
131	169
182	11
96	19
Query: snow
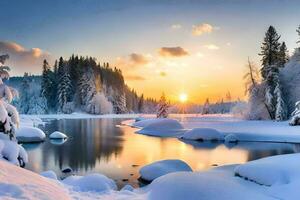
30	134
203	134
57	135
273	170
91	182
245	130
49	174
231	138
161	127
163	167
216	184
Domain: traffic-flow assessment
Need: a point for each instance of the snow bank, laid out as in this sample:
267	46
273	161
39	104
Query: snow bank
202	134
231	138
57	135
30	134
163	167
143	123
215	184
92	182
272	170
12	151
18	183
162	128
49	174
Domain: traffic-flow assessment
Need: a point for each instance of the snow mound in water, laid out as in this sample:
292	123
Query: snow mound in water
144	122
163	167
272	170
162	128
30	134
57	135
209	185
203	134
231	138
91	183
49	174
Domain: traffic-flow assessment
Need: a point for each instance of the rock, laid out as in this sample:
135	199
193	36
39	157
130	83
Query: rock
67	170
57	135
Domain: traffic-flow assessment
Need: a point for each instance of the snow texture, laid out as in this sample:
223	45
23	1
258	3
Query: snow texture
30	134
91	183
163	167
203	134
162	127
49	174
57	135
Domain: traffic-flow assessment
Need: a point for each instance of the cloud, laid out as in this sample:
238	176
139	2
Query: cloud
176	26
202	29
23	60
138	59
172	52
212	47
134	78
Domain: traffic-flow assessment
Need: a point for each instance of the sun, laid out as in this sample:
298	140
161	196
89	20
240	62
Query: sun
183	97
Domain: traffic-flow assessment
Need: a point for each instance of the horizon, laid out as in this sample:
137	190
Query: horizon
183	49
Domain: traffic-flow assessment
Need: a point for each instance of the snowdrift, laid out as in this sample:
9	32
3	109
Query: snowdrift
273	170
202	134
30	134
163	167
92	182
161	128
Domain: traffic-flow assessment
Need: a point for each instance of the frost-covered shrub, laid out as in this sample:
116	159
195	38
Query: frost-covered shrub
99	105
68	107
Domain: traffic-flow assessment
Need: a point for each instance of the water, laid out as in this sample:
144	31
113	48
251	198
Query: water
100	145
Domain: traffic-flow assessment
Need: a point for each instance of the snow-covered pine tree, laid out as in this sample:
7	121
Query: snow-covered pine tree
298	31
163	106
119	104
206	109
46	85
270	68
281	110
283	55
64	86
141	104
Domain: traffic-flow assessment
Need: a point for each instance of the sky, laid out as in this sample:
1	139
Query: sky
197	47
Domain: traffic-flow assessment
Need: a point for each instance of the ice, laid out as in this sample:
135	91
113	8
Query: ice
57	135
162	128
163	167
203	134
30	134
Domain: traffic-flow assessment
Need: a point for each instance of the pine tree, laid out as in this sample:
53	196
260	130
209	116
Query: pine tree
141	104
298	31
64	86
281	111
206	109
283	55
269	51
163	106
46	85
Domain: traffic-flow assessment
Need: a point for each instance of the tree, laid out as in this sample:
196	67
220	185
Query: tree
298	31
46	85
206	109
163	106
281	110
64	86
269	51
283	55
141	104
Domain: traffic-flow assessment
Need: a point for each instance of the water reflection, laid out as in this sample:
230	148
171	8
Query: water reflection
98	145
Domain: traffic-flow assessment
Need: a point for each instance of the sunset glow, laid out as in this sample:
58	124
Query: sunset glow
183	97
